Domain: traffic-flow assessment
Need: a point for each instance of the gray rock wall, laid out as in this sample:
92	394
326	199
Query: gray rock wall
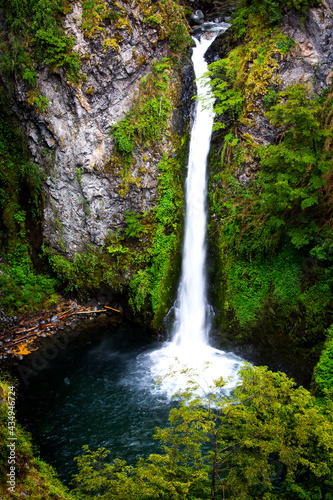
312	60
71	140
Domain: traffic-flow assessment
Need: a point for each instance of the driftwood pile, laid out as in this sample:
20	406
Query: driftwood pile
28	329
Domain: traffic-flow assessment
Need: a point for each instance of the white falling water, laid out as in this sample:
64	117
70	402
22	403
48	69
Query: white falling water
190	346
191	308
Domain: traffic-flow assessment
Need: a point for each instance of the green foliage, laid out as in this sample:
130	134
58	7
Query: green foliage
229	100
168	17
36	34
153	19
123	133
269	440
94	15
270	99
179	38
21	288
35	98
270	11
147	120
252	284
135	228
89	271
157	279
246	75
270	227
286	199
56	51
323	374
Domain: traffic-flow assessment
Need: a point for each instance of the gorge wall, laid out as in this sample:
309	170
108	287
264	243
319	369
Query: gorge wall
106	121
70	140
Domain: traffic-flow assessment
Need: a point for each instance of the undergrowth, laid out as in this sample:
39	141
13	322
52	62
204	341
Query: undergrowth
270	11
21	288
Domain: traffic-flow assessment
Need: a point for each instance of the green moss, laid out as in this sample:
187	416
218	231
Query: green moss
145	123
94	15
270	12
147	119
155	282
23	290
88	272
248	73
169	18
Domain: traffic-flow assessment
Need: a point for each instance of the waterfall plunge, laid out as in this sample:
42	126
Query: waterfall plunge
191	329
190	346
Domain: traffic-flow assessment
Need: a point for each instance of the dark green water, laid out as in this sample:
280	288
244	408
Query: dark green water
96	392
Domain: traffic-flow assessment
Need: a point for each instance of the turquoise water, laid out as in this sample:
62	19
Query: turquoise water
98	392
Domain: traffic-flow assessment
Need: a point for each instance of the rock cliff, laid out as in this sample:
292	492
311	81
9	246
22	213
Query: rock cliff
84	193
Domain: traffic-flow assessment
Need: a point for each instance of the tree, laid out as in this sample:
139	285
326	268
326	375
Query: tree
268	441
286	202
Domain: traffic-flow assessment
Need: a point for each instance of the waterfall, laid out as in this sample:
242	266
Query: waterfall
191	329
190	344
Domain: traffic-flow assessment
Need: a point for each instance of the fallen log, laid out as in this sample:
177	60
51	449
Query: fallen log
112	309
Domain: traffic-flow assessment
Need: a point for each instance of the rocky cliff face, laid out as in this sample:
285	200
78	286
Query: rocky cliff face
312	59
83	188
309	61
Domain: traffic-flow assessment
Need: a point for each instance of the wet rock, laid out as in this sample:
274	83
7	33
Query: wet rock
197	17
312	58
71	141
221	46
